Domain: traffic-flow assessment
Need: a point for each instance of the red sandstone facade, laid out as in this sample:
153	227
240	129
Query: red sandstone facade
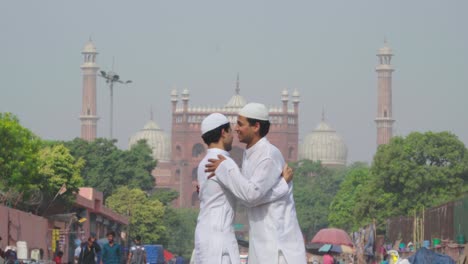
188	147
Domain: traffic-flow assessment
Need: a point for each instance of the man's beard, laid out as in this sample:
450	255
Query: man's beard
228	147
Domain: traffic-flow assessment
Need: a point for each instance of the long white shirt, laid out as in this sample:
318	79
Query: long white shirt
273	226
214	234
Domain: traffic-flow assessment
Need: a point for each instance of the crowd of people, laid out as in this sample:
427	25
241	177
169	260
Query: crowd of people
90	252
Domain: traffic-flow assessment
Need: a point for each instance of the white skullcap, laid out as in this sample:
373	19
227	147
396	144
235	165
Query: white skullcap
255	111
213	121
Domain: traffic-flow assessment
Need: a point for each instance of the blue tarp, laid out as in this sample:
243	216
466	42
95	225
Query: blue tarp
154	254
426	256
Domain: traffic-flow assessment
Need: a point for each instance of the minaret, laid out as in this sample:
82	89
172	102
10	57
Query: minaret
285	99
88	115
384	119
296	99
237	85
185	100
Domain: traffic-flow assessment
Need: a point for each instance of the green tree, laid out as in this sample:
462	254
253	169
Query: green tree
164	195
146	216
314	188
57	168
343	207
108	167
423	169
138	163
180	223
101	160
19	149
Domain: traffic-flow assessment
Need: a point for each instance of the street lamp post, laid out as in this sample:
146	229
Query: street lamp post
112	77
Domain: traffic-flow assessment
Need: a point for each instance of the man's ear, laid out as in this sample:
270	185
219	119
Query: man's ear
224	133
256	127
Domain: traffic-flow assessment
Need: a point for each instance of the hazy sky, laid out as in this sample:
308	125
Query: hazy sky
325	49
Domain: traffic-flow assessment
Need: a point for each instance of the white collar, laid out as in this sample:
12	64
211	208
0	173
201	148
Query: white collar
255	147
218	151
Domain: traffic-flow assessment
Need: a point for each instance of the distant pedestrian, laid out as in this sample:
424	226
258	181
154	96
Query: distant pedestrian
2	253
58	257
76	255
89	251
137	254
111	252
179	260
328	259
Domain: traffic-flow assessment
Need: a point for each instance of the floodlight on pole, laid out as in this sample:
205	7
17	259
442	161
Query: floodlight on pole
112	77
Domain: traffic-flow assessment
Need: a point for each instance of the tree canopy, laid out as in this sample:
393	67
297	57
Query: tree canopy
146	216
314	189
164	195
19	149
343	206
59	171
107	167
180	232
422	169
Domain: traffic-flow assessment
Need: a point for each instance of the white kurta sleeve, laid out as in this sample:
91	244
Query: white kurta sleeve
278	191
253	191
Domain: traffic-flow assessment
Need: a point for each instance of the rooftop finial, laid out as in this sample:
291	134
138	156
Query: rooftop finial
323	113
385	41
237	84
151	113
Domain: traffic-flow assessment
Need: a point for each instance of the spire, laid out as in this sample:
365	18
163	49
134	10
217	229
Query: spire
323	113
237	85
151	113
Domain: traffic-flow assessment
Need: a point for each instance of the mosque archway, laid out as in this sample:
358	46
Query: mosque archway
195	200
198	150
177	175
290	152
195	174
178	151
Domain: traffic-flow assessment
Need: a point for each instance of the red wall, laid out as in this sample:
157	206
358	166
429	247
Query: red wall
24	227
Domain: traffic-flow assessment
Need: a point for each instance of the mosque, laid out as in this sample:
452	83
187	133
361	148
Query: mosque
179	152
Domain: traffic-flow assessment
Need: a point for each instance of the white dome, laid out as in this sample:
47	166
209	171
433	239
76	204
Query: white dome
157	140
296	93
324	144
89	47
236	101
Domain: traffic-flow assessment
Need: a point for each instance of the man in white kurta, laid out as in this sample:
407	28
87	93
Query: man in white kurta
215	241
275	235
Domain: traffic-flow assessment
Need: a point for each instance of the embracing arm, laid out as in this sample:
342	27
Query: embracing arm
256	190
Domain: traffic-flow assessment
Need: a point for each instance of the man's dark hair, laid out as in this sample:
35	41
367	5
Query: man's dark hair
264	125
110	233
138	238
214	135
